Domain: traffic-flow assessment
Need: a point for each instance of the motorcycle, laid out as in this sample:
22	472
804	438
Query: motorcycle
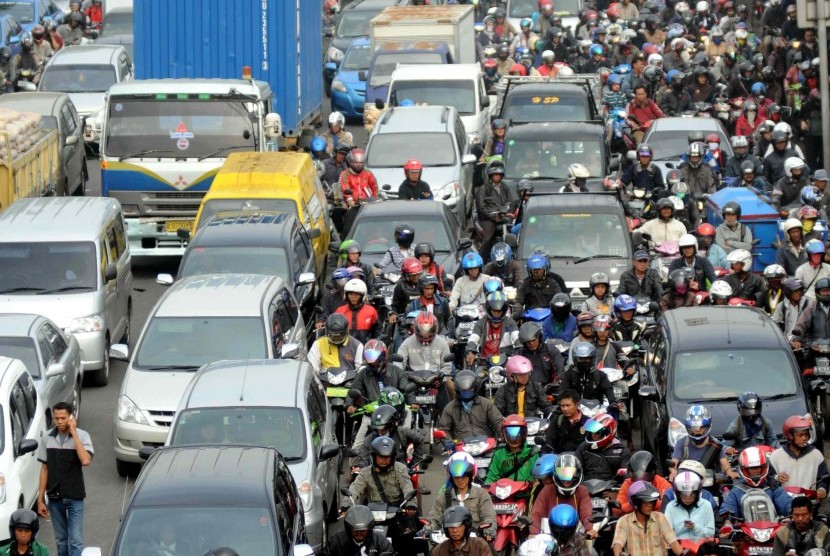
536	427
592	408
480	447
337	383
646	309
398	523
491	374
757	529
511	514
428	383
603	502
25	80
465	319
817	379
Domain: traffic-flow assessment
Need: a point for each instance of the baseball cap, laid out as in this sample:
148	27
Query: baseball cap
641	255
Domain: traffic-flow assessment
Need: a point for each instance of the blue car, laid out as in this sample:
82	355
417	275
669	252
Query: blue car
31	12
10	33
348	90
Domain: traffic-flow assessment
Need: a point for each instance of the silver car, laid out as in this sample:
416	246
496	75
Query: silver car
279	404
52	358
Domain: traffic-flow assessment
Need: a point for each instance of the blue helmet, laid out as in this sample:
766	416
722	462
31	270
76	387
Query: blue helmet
759	89
815	247
501	254
810	195
622	69
340	274
563	521
407	102
318	144
597	50
472	260
544	466
624	303
492	285
615	79
698	418
537	261
671	74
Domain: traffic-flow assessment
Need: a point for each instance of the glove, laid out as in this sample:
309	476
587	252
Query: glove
449	446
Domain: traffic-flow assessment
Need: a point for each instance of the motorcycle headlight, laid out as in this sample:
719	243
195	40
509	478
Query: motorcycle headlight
495	374
761	535
379	516
306	495
336	379
467	311
92	323
338	86
677	430
335	55
129	412
533	427
503	492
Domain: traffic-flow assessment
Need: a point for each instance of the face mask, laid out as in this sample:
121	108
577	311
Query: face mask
714	146
717	40
808	225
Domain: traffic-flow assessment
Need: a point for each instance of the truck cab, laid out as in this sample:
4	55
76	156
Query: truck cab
389	55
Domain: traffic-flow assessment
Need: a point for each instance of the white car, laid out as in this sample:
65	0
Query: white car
24	423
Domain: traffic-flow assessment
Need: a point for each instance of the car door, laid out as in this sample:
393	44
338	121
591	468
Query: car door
110	248
303	261
25	423
654	421
65	383
125	275
326	470
72	154
51	388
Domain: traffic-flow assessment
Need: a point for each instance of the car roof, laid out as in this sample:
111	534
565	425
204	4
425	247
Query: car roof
120	10
685	124
371	5
56	219
244	174
210	86
553	131
594	201
545	88
17	324
206	475
86	54
33	101
710	327
219	295
249	383
401	209
240	228
411	119
431	71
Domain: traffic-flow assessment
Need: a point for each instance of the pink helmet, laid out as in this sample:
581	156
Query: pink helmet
518	365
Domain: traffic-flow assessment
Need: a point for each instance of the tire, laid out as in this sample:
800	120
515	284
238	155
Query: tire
80	191
125	338
126	468
102	377
76	399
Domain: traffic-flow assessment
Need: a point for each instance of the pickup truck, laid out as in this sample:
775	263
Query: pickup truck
31	172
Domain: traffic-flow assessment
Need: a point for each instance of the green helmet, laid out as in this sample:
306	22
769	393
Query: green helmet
393	397
346	247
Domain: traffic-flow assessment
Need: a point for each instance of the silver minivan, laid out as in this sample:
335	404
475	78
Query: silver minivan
279	404
67	258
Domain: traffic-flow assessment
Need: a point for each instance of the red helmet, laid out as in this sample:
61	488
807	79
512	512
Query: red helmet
426	327
605	426
713	138
413	164
490	63
411	265
650	49
613	10
518	365
705	230
751	458
794	424
519	69
591	14
514	427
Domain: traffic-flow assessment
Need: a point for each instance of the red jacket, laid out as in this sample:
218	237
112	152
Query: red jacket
661	484
549	497
95	15
743	127
361	320
644	115
362	185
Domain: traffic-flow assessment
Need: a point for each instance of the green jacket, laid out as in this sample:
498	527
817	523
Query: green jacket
512	466
11	549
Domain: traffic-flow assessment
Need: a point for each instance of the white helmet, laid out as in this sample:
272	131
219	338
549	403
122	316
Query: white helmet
355	285
739	141
720	290
740	256
679	41
687	482
540	545
548	55
677	202
791	224
577	170
792	163
336	118
785	127
774	271
680	8
741	34
655	59
702	6
693	465
566	71
687	240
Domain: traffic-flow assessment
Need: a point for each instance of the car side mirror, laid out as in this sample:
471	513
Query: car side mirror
386	187
302	550
183	233
306	278
164	279
145	452
328	451
110	272
485	101
55	369
14	39
27	446
361	75
71	140
469	159
120	352
464	244
331	66
289	351
379	104
649	393
314	233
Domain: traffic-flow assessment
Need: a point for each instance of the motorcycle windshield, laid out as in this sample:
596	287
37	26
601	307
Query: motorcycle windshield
757	506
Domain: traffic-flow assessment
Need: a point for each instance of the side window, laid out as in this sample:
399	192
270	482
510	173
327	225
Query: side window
27	387
316	418
16	28
68	120
55	341
8	30
658	362
73	118
18	429
112	246
45	348
120	235
286	505
284	316
300	253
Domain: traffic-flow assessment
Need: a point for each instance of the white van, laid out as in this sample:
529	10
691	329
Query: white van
68	259
458	85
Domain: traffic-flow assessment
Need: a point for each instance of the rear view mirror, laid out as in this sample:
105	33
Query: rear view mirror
164	279
289	351
306	278
145	452
379	104
485	101
55	369
464	244
469	159
334	247
328	451
331	66
27	446
302	550
396	357
314	233
71	140
119	352
110	272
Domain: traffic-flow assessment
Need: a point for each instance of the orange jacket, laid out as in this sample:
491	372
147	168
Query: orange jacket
659	482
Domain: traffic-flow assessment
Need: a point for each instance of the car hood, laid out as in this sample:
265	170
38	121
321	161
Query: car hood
156	390
723	413
61	308
87	103
351	78
436	176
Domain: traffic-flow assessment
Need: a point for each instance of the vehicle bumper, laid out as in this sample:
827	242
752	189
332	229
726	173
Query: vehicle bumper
314	526
350	103
92	349
128	438
149	237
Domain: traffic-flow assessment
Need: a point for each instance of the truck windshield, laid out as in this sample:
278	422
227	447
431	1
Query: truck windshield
386	63
550	159
525	8
42	268
461	95
118	23
23	12
354	24
78	79
575	235
392	150
270	261
176	128
523	108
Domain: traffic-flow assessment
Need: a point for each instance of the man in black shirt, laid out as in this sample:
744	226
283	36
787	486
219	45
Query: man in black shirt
565	432
413	187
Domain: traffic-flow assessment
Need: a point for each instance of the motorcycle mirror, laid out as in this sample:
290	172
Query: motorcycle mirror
538	440
409	496
334	247
396	358
427	459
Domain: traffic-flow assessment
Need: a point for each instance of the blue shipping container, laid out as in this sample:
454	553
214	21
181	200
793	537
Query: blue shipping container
280	39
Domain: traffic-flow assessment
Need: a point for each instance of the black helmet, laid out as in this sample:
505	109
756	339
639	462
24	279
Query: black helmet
749	404
359	518
560	306
24	519
530	331
26	41
465	385
404	235
428	280
5	54
822	284
384	417
337	328
382	446
524	186
679	281
731	207
425	248
645	492
700	70
76	17
665	202
642	466
456	516
653	74
746	67
779	135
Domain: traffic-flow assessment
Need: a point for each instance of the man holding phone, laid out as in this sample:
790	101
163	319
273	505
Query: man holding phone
64	452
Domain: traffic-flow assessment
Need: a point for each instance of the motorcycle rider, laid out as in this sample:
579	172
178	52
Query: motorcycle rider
750	428
641	467
72	29
585	332
336	298
413	187
385	480
774	161
677	99
708	248
430	301
458	524
697	175
468	414
562	521
634	527
665	227
731	234
425	252
460	489
809	215
584	377
468	290
602	455
704	273
357	184
745	285
27	59
566	490
698	445
787	189
774	294
425	349
679	293
814	269
798	463
337	134
402	250
541	284
641	280
566	428
95	14
408	287
813	324
42	47
600	302
791	307
337	349
363	318
358	537
335	164
494	332
521	396
494	202
23	529
578	176
691	517
624	327
753	469
495	144
606	350
502	265
514	460
644	174
391	421
561	324
55	39
803	534
546	360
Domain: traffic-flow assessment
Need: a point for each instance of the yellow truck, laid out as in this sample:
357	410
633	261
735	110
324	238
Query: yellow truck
30	166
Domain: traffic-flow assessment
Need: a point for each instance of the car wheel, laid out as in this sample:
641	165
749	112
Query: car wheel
126	468
80	191
125	338
102	376
76	399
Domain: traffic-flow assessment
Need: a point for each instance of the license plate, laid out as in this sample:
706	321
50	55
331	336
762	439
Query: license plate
467	325
760	550
172	226
638	205
483	462
335	392
599	503
425	400
506	508
645	319
822	370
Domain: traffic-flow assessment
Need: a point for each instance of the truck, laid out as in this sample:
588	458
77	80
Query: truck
572	98
247	81
453	25
33	172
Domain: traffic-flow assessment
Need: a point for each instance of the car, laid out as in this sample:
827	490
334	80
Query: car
52	357
198	320
291	415
669	137
10	33
435	136
709	356
348	87
118	29
24	423
31	12
538	100
582	233
206	497
270	243
85	73
57	112
374	228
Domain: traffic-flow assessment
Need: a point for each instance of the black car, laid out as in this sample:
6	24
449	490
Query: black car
205	497
709	356
527	100
433	221
269	243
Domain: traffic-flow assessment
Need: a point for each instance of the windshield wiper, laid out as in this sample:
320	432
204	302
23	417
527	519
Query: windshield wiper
142	153
710	400
173	368
778	396
583	259
22	289
67	289
217	151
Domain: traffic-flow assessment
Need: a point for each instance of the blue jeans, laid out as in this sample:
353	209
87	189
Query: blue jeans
68	524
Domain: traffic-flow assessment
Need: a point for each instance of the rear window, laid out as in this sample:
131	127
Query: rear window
545	108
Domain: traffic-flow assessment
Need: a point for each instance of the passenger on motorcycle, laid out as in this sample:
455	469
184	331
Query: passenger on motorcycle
792	253
720	293
745	284
798	463
402	250
337	134
541	284
458	524
749	178
385	480
468	290
789	310
495	144
787	189
546	360
689	215
809	216
337	349
644	174
27	59
698	175
624	327
562	521
584	377
543	474
602	455
521	396
561	324
566	490
644	531
679	293
336	165
703	272
774	294
606	357
72	29
779	153
578	176
753	469
698	469
494	332
641	467
641	280
803	534
460	489
350	252
731	234
600	302
814	269
514	460
391	421
363	318
707	247
502	265
468	414
665	227
698	444
358	537
425	252
750	428
641	112
585	333
42	47
413	187
495	202
336	297
690	517
408	288
741	154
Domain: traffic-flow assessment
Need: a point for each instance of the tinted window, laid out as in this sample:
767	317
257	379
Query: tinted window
575	235
45	348
316	416
47	267
271	261
523	107
120	236
674	143
216	206
17	419
29	392
357	58
69	121
376	235
300	255
550	158
22	348
55	341
392	150
78	78
386	63
112	247
459	94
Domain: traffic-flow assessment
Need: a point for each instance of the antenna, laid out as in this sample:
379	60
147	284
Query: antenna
244	378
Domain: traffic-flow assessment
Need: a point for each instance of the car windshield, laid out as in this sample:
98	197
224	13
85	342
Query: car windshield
460	94
118	23
354	23
198	530
575	235
195	341
551	158
275	427
177	129
215	206
672	144
392	150
385	64
78	78
24	12
269	261
357	58
521	108
45	268
376	235
22	348
525	8
718	374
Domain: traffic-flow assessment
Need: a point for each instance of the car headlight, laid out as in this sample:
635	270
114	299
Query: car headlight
306	495
447	191
129	412
334	54
2	488
338	86
677	430
92	323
